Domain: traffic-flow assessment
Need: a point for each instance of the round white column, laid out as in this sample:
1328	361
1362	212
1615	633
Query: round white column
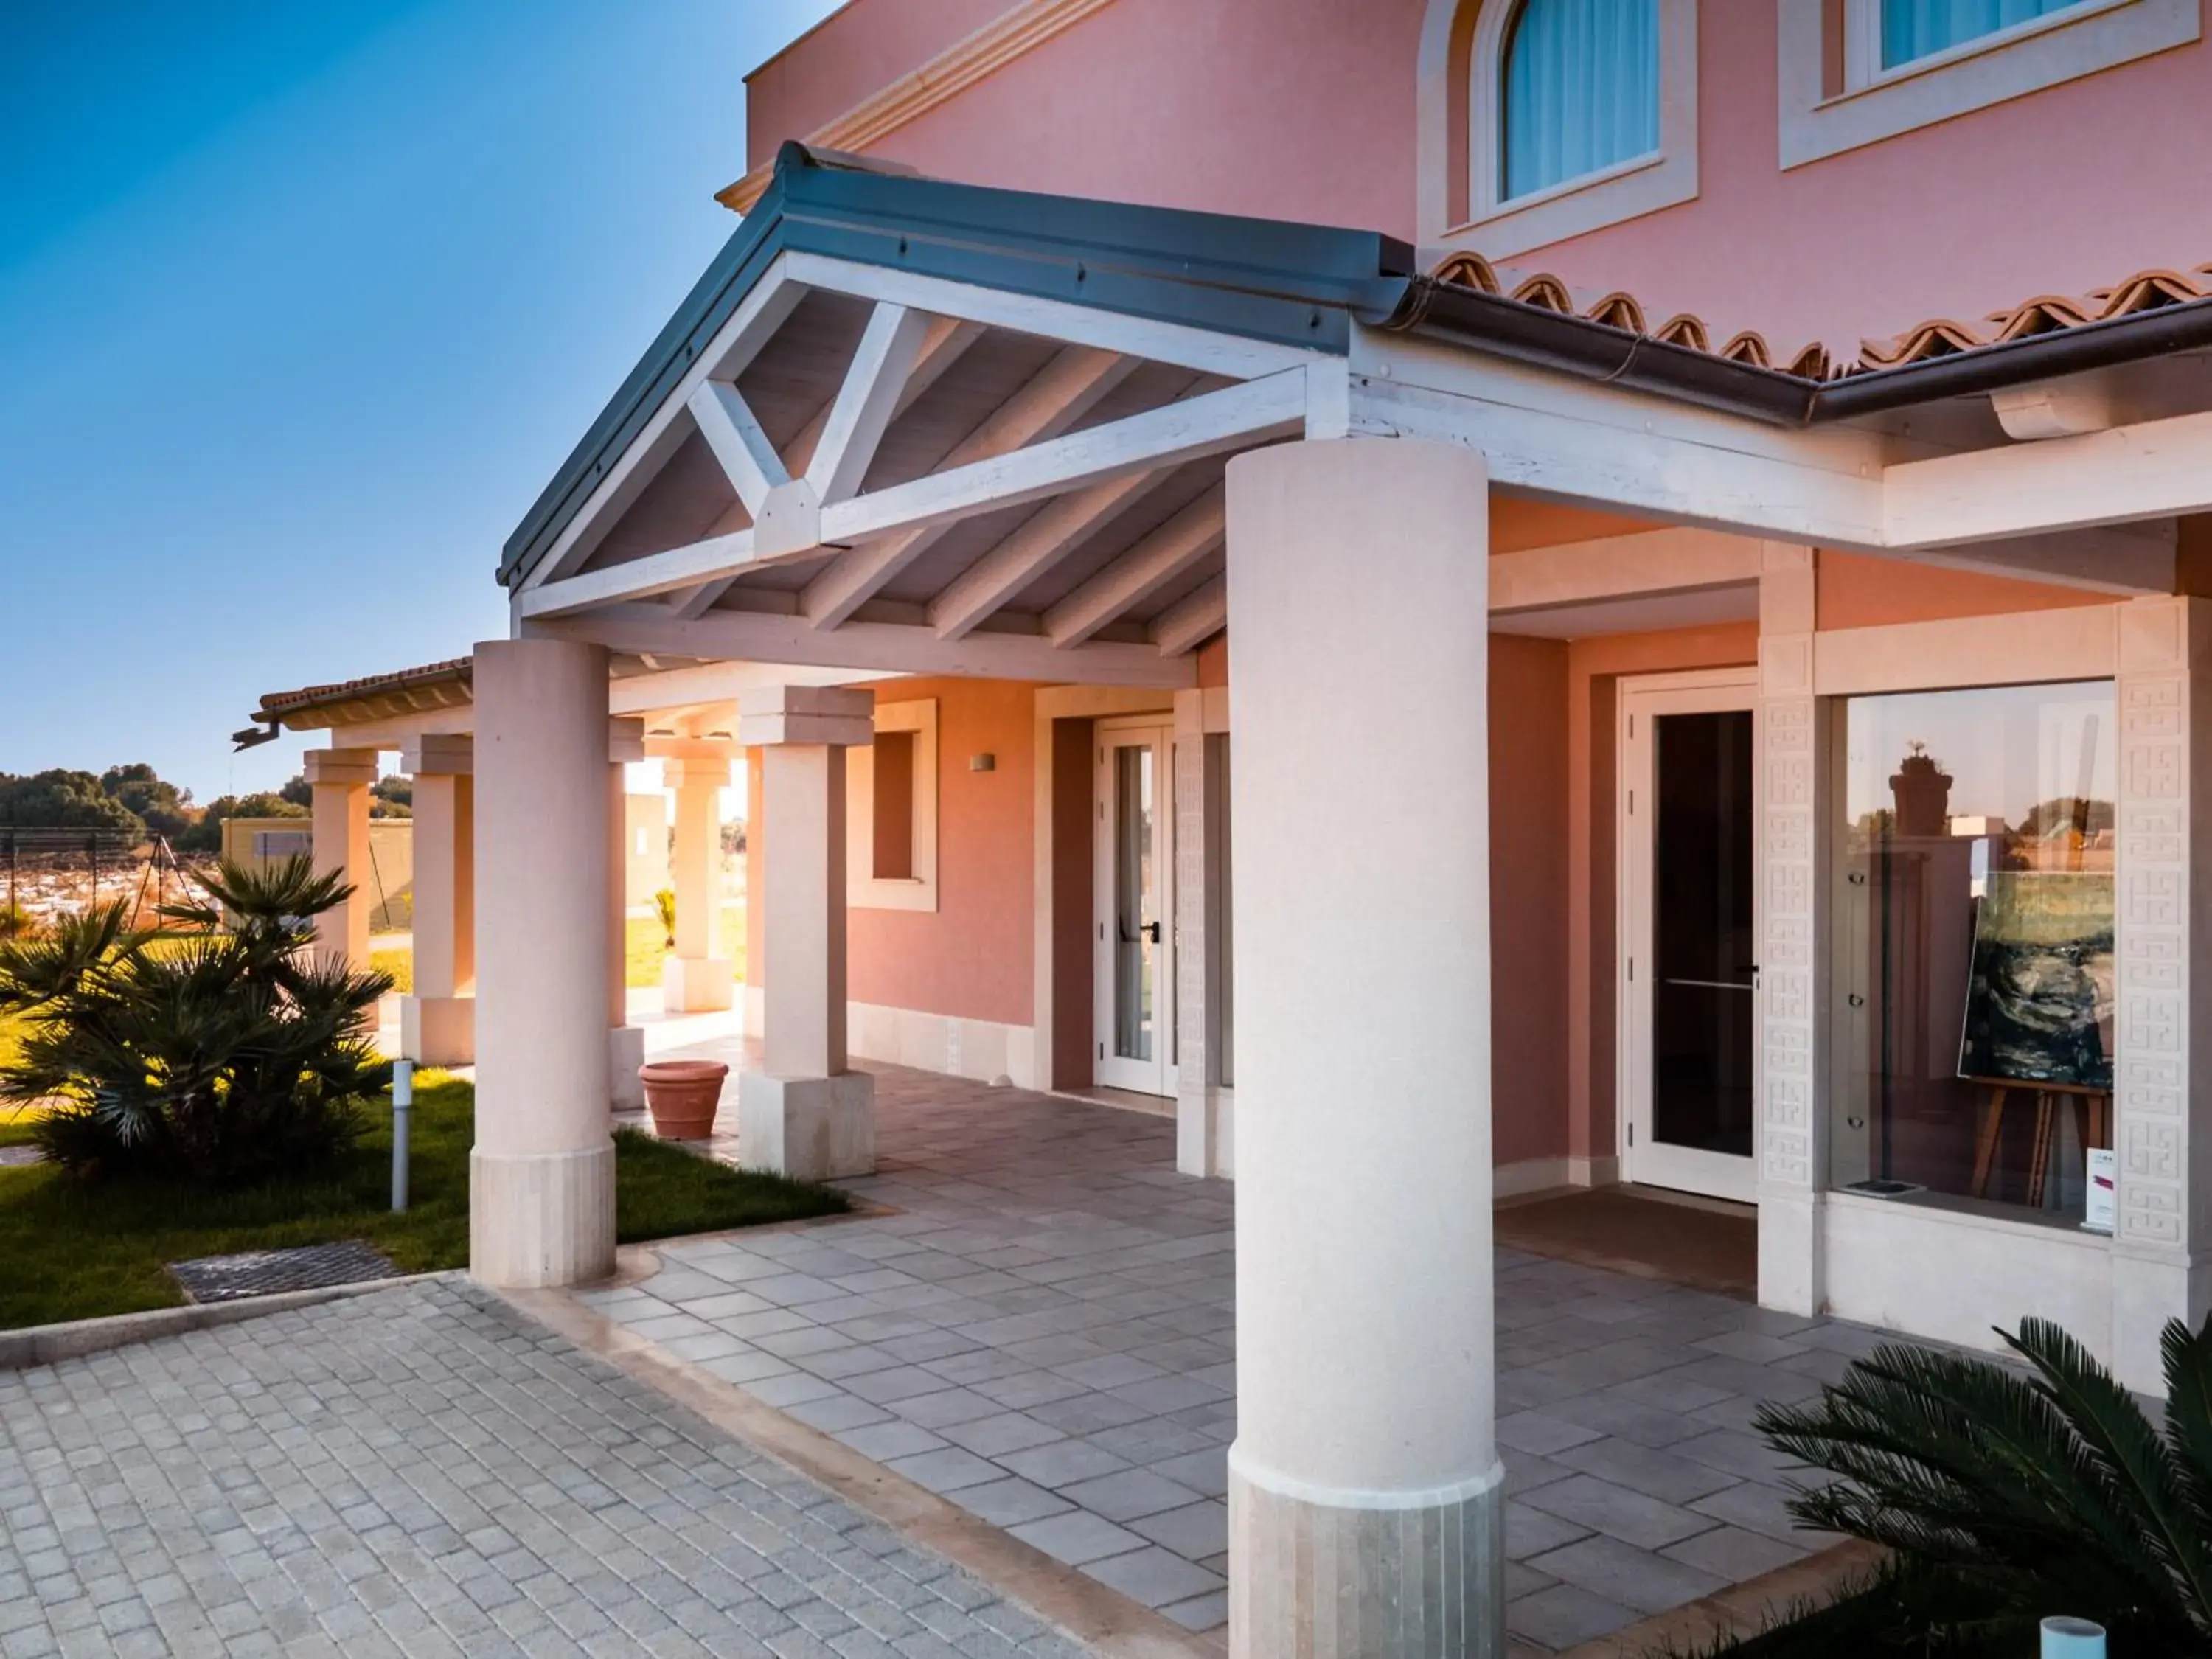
542	1173
1366	1511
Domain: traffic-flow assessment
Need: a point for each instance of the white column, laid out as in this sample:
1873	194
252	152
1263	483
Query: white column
625	1041
2162	1059
542	1173
804	1114
437	1020
693	978
338	781
1365	1495
1205	1107
1793	1147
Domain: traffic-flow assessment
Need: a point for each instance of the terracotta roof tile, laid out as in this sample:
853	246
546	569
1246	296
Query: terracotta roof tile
1937	336
452	671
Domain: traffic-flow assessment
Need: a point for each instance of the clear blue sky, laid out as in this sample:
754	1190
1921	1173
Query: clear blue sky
301	305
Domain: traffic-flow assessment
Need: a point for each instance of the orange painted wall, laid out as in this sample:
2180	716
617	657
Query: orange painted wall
971	956
1528	766
1855	590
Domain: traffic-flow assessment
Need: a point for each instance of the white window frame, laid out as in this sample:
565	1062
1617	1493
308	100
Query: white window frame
1874	103
864	889
1500	227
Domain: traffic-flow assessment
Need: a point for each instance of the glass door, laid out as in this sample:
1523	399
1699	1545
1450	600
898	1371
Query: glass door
1690	966
1133	971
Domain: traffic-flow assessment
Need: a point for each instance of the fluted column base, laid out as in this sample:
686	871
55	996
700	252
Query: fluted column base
543	1219
1323	1575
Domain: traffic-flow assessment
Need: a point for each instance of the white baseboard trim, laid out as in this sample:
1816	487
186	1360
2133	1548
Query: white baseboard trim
1593	1171
982	1050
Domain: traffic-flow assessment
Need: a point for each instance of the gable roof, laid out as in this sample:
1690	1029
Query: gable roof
1308	284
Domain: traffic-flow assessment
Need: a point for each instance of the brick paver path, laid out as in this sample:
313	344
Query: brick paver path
1045	1336
421	1472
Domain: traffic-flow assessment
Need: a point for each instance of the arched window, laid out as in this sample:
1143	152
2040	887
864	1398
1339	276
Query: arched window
1913	29
1578	90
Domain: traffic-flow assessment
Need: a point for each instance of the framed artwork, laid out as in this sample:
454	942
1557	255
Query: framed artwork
2040	997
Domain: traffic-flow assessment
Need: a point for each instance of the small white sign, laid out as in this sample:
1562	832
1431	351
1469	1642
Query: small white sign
2101	1209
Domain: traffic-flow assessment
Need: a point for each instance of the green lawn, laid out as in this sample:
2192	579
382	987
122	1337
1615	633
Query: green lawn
646	946
72	1251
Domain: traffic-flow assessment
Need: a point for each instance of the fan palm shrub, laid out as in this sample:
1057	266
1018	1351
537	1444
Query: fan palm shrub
223	1057
2011	1497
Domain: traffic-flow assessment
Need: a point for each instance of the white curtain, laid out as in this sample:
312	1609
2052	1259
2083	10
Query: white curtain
1913	29
1580	89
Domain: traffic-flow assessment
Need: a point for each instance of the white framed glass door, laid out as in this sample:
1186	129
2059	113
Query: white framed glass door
1689	968
1133	971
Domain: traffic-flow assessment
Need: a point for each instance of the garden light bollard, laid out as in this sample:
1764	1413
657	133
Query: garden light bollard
403	1107
2072	1638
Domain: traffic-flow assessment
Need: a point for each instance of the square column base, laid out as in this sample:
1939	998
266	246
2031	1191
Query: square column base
625	1054
811	1128
697	985
438	1031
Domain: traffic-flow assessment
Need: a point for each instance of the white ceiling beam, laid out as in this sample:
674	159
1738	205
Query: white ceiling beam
739	341
1201	349
1060	393
1194	619
748	460
1228	419
2153	470
1616	567
1041	542
1150	564
941	347
1622	452
858	419
680	567
1231	418
884	648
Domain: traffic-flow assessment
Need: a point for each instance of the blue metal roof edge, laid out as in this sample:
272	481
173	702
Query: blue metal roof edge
1259	278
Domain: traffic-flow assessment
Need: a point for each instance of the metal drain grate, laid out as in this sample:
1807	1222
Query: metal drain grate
262	1273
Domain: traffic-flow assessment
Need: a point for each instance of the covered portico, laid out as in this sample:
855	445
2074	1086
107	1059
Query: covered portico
909	427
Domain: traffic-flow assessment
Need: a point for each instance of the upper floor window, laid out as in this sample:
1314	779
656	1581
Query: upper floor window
1578	90
1545	119
1907	31
1855	72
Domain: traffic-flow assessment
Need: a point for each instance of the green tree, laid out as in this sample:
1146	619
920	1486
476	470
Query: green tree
297	790
231	1056
161	805
61	799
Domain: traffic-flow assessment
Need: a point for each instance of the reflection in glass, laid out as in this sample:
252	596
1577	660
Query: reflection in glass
1973	925
1136	901
1701	993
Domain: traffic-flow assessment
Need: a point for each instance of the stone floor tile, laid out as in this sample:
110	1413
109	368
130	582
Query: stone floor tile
1127	1494
1602	1506
1565	1616
1195	1530
1012	1501
1623	1573
1064	1463
1078	1537
1664	1475
1733	1554
1155	1576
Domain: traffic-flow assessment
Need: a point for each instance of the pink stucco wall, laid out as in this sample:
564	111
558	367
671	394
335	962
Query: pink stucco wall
1304	109
971	955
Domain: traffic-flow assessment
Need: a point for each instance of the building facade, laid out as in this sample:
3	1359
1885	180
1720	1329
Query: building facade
1666	650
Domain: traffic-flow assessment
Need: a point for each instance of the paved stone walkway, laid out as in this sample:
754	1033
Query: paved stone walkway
420	1471
1044	1334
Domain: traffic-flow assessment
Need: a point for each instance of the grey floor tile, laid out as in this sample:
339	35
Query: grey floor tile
1012	1501
1128	1494
1621	1572
1195	1530
1155	1576
1565	1616
1733	1554
1078	1537
1064	1463
1619	1512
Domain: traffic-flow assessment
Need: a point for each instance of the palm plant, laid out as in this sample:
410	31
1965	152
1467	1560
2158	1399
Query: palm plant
225	1056
2028	1495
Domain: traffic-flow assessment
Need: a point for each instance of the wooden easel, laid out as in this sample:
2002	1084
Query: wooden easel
2093	1109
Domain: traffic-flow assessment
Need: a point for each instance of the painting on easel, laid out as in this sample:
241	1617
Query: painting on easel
2039	1002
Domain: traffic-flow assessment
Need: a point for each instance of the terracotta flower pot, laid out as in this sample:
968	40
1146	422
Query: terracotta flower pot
682	1095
